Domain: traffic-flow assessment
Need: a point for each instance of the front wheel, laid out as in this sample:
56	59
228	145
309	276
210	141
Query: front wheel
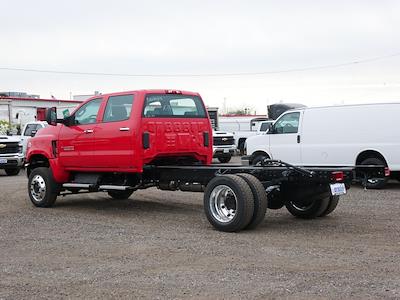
42	188
120	195
224	159
12	172
308	208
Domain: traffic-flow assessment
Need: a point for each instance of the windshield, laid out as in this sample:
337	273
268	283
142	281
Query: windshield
176	106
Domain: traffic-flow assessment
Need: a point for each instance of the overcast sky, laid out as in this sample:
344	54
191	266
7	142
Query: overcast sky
205	37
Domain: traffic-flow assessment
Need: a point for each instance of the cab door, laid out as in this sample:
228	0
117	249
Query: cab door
284	138
76	140
115	135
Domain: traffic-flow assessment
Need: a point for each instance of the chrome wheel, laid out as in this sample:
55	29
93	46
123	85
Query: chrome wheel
223	203
38	188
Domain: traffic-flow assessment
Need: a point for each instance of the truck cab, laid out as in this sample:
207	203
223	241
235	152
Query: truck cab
123	132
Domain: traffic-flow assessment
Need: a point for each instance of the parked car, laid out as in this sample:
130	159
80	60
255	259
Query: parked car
334	136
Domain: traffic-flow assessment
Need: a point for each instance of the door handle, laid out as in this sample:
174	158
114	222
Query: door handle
88	131
298	139
124	129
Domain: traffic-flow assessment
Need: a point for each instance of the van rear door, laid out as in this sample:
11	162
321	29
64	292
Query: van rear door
285	139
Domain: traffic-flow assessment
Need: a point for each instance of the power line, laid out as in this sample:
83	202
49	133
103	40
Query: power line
331	66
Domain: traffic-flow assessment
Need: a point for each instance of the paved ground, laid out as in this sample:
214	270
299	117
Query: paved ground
160	245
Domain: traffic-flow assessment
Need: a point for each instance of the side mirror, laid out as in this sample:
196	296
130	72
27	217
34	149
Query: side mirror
51	116
271	129
33	133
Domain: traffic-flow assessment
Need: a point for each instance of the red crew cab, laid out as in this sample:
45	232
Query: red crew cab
122	132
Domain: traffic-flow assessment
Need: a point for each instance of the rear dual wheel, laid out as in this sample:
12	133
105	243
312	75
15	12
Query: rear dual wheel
234	202
310	208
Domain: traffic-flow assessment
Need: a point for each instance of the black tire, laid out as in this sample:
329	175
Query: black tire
257	161
375	183
308	208
333	202
275	200
12	172
260	199
120	195
39	178
224	159
242	203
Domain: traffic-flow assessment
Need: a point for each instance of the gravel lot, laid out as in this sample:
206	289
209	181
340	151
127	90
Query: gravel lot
159	245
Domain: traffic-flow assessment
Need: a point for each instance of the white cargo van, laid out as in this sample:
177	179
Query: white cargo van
347	135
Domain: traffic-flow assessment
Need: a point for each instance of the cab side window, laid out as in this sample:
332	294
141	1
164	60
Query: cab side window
118	108
87	114
288	123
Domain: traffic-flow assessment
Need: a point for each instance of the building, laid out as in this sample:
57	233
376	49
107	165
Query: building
85	97
20	110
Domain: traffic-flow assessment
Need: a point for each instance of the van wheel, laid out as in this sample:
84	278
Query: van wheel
308	208
260	199
12	172
42	188
333	202
224	159
375	182
257	161
120	195
228	203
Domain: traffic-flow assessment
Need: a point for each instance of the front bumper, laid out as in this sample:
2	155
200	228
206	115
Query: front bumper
224	150
10	162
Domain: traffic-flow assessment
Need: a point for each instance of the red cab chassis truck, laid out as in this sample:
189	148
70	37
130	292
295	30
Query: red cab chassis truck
121	142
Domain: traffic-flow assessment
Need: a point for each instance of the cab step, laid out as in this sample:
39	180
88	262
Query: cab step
114	188
78	185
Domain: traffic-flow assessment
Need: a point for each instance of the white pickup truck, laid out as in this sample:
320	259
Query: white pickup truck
30	129
11	156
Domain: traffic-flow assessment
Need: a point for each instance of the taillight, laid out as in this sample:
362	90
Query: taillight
337	176
387	172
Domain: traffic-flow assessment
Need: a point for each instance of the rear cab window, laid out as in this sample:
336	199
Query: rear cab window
173	106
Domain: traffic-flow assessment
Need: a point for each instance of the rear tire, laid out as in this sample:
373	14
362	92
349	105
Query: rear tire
120	195
228	203
333	202
260	199
42	188
308	208
224	159
257	161
375	183
12	172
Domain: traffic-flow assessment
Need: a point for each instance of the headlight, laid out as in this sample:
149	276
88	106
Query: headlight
20	148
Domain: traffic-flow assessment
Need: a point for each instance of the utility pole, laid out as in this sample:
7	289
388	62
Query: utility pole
9	112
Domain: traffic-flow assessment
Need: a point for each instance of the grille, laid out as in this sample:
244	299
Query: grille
223	141
10	148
